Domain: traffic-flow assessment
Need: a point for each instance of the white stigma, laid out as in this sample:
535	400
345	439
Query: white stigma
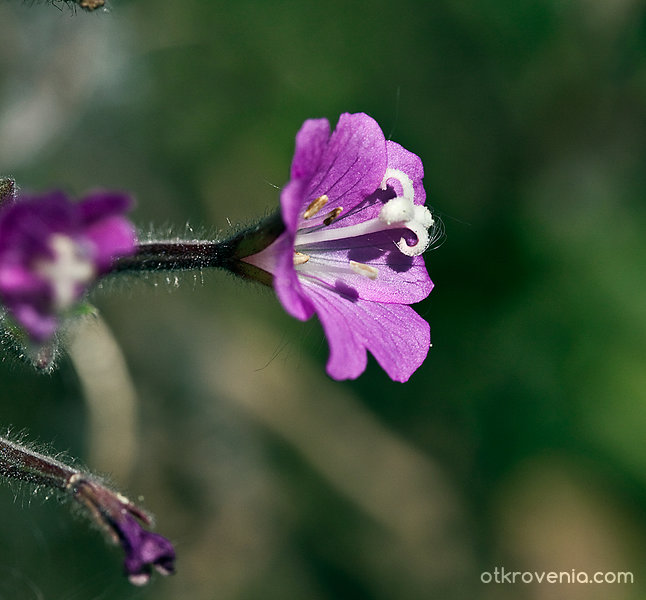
415	218
397	210
66	271
403	211
400	212
408	191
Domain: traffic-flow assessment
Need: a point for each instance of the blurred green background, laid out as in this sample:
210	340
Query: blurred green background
520	441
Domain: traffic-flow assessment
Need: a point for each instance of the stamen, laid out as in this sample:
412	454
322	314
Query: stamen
365	270
300	258
332	215
315	206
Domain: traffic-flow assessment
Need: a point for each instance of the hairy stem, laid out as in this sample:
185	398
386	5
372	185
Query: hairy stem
186	255
122	520
19	462
174	256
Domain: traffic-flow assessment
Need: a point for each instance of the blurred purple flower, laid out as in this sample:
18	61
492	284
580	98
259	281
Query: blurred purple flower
356	227
52	250
144	550
122	520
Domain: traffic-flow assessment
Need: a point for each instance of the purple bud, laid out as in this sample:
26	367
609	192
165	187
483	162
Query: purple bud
144	551
123	520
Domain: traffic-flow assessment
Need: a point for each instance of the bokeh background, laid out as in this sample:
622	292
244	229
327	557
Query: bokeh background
520	441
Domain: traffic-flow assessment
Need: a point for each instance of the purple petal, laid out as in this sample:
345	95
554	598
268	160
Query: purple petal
25	226
40	326
278	259
286	283
394	333
397	158
347	169
101	204
311	141
401	159
397	283
27	298
18	281
111	237
401	279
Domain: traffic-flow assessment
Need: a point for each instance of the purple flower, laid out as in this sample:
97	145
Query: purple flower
356	227
52	250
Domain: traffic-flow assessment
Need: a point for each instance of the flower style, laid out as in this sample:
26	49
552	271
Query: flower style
355	229
52	250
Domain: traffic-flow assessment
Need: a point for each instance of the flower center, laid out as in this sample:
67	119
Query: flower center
398	213
67	271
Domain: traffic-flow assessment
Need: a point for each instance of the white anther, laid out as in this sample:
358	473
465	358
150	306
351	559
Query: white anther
365	270
332	216
300	258
315	206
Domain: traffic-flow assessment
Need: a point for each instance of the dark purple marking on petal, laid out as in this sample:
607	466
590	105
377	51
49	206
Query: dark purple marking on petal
398	262
345	291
